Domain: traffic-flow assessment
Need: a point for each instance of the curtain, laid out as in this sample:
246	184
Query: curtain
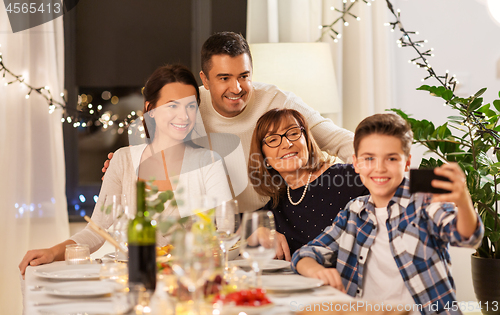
362	57
32	185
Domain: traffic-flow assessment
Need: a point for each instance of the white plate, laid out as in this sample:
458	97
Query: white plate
289	283
102	308
69	272
81	288
250	310
274	264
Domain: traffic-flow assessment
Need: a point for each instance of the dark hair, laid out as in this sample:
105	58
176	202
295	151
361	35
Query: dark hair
385	124
151	91
223	43
261	177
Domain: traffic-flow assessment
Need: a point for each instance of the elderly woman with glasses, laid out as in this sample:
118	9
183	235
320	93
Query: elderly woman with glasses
307	189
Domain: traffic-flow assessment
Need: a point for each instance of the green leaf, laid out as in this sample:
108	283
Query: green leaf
426	88
109	208
484	108
447	95
476	103
496	103
480	92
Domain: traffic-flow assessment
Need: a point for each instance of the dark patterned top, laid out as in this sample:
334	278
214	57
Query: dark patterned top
325	197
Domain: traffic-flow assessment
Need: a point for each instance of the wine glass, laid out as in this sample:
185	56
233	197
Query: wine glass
258	241
193	263
116	207
227	224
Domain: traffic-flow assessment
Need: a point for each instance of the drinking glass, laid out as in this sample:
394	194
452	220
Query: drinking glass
193	263
227	224
116	207
76	254
114	272
258	241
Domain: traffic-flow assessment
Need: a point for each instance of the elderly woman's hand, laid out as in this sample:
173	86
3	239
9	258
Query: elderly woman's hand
282	249
262	236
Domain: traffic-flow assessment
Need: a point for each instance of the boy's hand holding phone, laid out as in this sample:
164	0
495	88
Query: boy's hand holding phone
459	195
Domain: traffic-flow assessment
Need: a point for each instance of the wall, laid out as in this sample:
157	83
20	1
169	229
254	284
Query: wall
466	42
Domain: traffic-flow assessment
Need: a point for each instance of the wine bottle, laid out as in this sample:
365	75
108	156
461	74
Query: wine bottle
142	245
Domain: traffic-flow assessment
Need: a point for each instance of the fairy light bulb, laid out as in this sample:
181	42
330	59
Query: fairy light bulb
339	36
320	27
27	96
63	120
346	23
332	8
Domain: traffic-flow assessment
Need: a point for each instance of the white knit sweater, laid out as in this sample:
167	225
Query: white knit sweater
201	174
231	137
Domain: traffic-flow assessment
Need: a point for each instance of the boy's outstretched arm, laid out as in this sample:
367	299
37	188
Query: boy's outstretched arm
309	267
466	215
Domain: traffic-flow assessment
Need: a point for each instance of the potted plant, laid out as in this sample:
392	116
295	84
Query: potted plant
472	139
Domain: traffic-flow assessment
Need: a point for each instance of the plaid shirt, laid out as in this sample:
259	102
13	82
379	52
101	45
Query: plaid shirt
419	233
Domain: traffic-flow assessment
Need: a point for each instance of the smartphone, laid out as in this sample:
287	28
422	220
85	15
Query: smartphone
420	181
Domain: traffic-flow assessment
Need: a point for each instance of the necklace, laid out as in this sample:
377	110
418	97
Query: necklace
303	194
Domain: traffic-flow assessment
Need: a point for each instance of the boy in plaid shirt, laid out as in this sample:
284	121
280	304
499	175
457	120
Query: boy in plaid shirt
392	245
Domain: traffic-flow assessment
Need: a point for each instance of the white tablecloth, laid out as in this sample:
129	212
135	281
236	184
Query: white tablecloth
285	303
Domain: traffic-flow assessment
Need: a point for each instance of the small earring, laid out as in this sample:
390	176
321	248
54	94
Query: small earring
267	164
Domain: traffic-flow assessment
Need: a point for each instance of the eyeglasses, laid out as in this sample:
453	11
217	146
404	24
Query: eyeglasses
292	134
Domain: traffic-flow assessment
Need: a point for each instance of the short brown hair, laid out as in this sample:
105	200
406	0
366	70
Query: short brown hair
223	43
385	124
263	177
151	91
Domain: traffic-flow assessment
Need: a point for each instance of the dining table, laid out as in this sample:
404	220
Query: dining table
44	292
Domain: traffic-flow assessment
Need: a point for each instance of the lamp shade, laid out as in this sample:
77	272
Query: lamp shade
306	69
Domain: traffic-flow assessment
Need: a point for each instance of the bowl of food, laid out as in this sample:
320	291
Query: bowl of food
253	301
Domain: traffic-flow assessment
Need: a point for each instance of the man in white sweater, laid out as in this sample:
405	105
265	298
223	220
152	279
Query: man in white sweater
231	104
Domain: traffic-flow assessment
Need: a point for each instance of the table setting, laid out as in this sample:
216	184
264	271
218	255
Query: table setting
218	263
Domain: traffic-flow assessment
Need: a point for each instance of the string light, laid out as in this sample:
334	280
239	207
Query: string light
77	117
344	13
